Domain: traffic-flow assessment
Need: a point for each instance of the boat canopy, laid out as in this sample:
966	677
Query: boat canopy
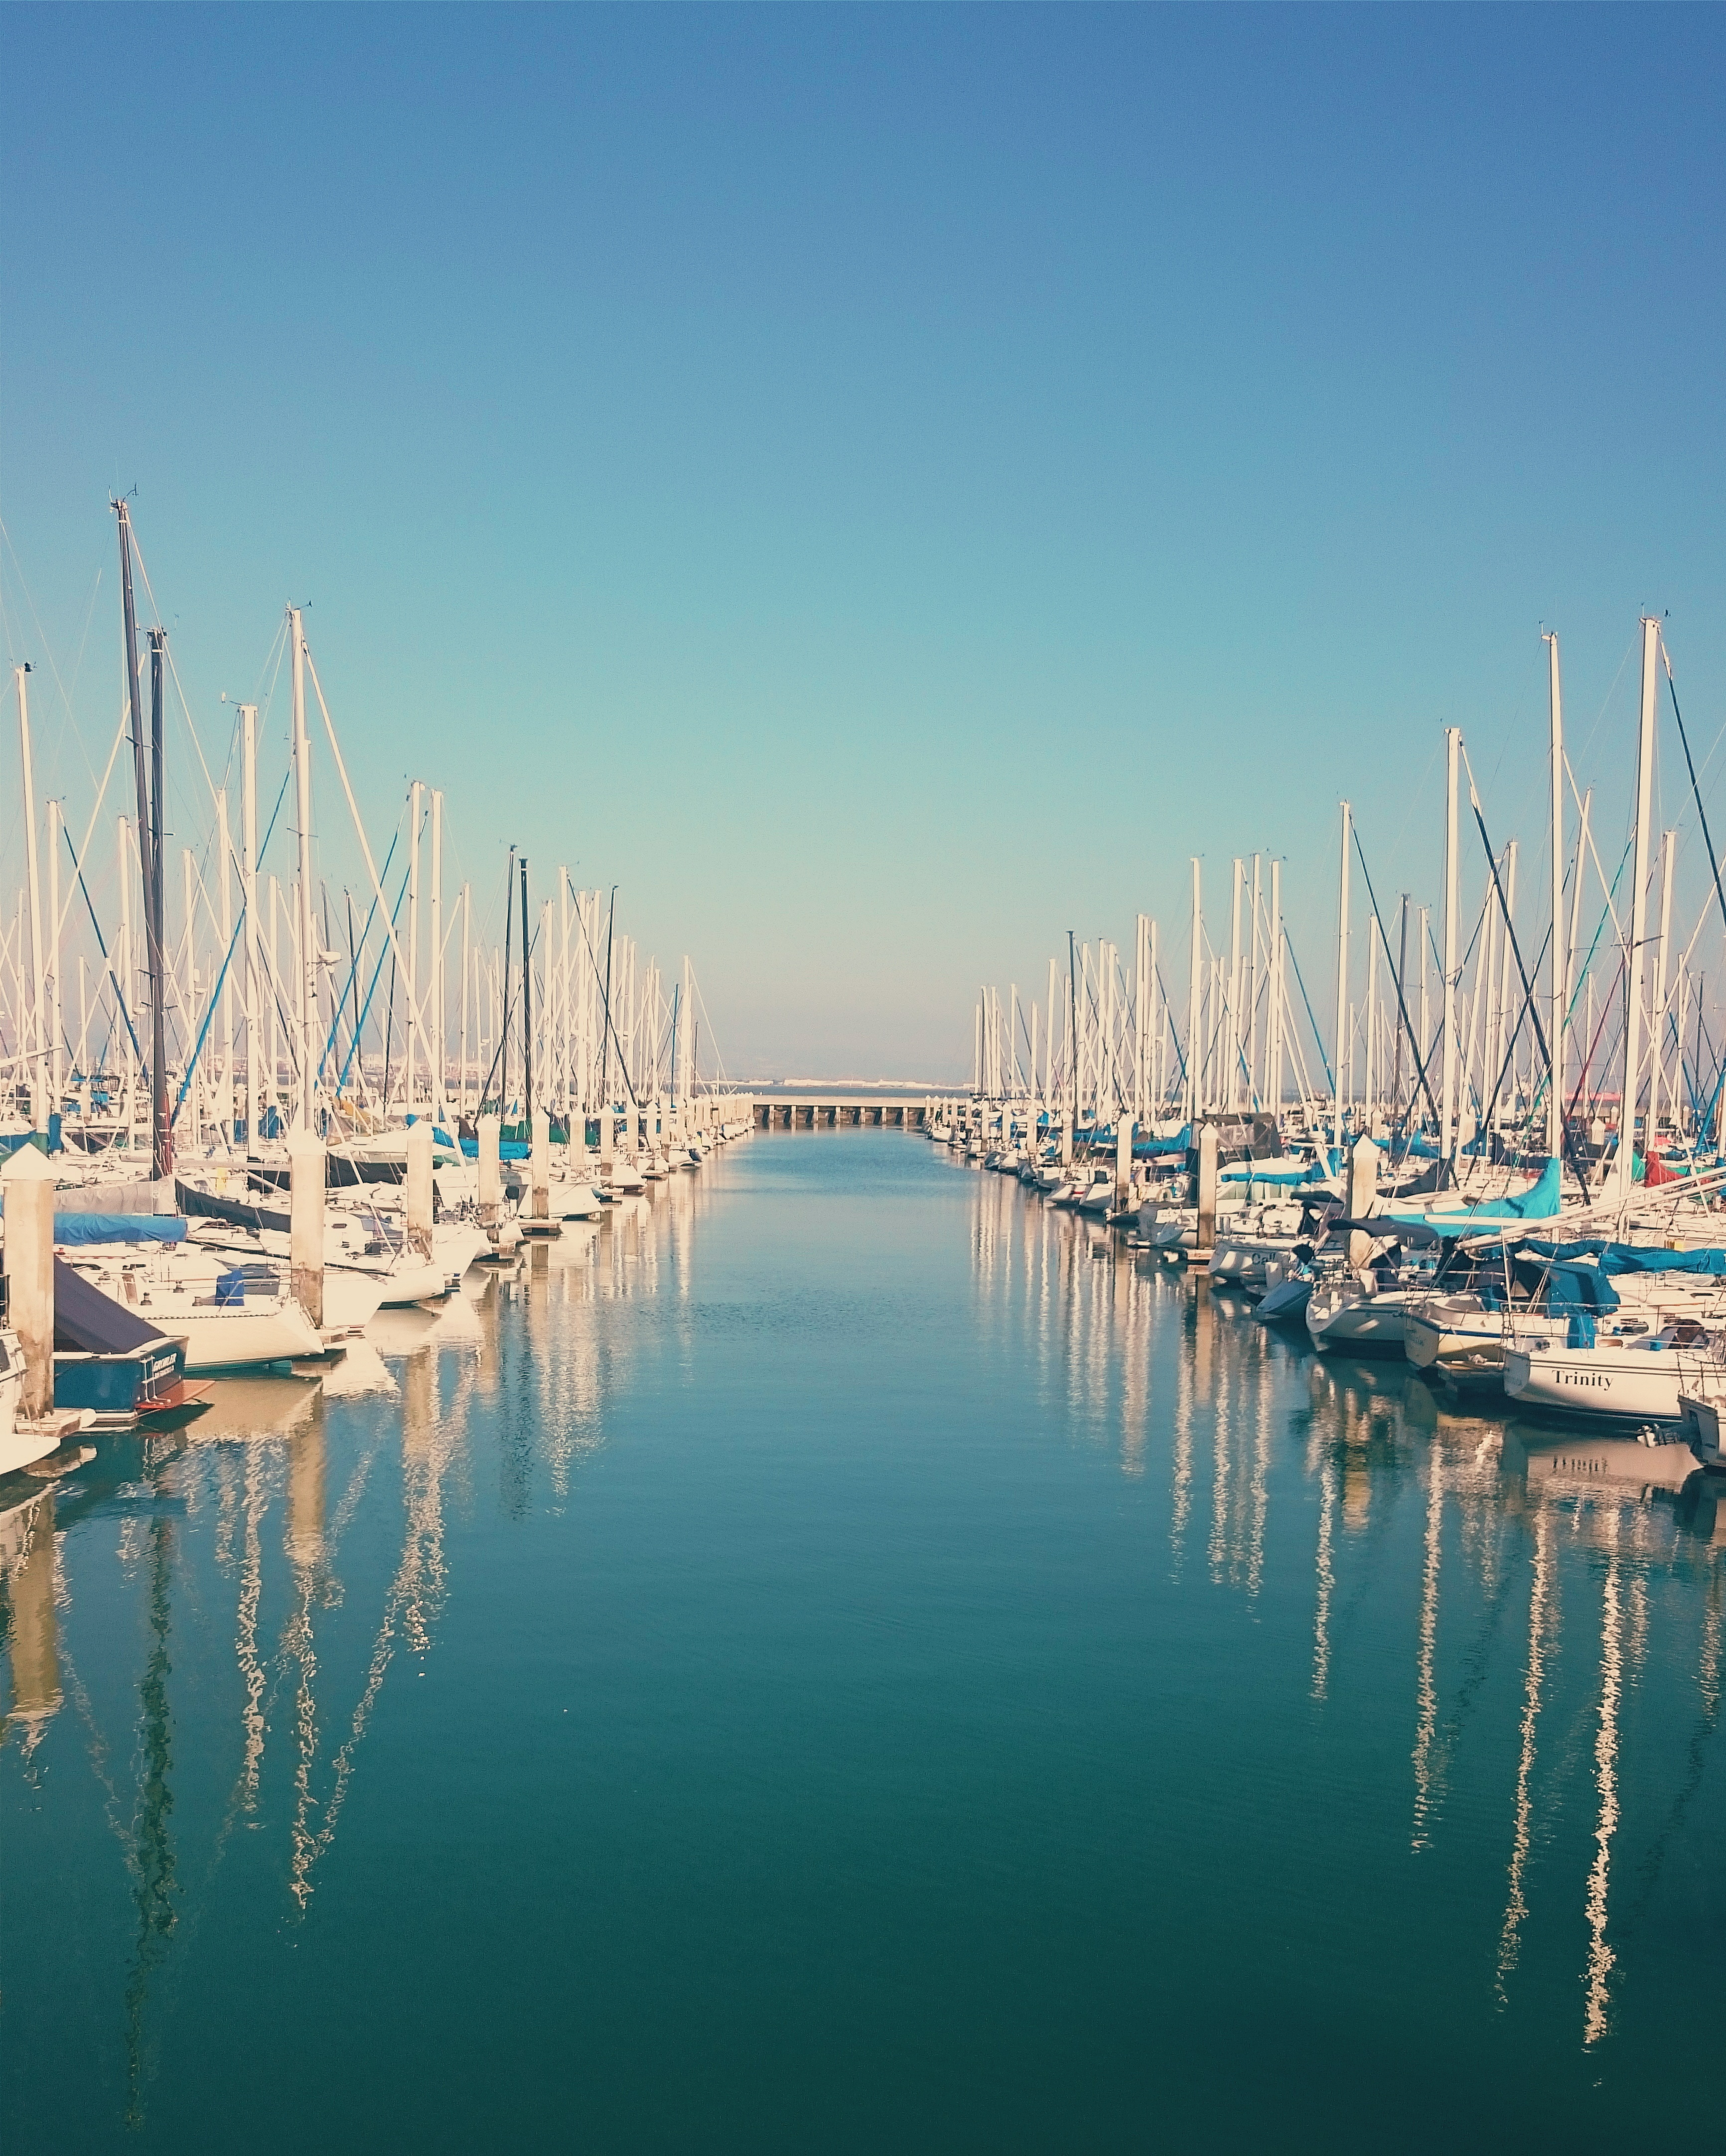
1620	1258
1626	1258
88	1322
1570	1285
1539	1202
75	1228
1284	1171
1153	1149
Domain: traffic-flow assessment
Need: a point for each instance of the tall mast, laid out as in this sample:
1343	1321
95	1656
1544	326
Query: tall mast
1273	1046
224	1118
416	793
467	911
39	1086
1342	1034
159	1164
1638	917
56	1030
503	1024
249	900
527	1008
1233	1093
1452	746
1560	957
161	1143
1194	995
308	941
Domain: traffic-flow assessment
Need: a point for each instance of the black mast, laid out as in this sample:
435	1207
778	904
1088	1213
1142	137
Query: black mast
149	834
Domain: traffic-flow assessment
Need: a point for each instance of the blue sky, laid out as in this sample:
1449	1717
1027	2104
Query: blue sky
883	486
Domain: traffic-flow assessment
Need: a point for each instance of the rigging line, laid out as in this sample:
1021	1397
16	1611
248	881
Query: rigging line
118	993
46	645
605	999
377	975
1672	690
1174	1030
1564	1144
1608	1010
1397	977
1317	1038
352	979
186	712
503	1031
90	828
214	1006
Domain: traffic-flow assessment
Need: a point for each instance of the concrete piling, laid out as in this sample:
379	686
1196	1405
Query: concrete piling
28	1182
419	1188
306	1223
490	1172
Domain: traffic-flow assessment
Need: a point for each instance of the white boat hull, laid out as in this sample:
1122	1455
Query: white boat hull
1640	1384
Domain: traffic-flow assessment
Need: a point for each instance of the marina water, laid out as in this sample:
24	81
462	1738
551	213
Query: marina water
839	1655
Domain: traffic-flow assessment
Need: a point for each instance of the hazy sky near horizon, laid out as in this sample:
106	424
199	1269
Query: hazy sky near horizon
884	486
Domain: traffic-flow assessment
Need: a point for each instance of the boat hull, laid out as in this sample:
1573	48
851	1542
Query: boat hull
1629	1384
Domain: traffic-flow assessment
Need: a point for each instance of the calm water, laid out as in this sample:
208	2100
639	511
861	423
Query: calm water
843	1661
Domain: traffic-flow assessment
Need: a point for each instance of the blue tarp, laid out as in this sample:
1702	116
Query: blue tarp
1622	1258
1568	1286
70	1227
1540	1202
508	1149
1628	1257
1243	1171
1153	1148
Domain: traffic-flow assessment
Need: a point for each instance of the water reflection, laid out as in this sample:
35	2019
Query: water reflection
1456	1531
1511	1633
239	1527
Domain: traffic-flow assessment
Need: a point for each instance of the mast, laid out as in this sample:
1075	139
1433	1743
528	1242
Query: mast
1194	996
1342	1034
162	1140
224	1119
56	1030
38	1087
1657	1060
416	794
1560	950
308	941
1452	746
467	910
503	1023
1233	1092
438	1026
1252	996
1273	1046
161	1148
1638	919
526	1010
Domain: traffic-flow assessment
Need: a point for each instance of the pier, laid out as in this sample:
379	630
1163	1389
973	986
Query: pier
814	1112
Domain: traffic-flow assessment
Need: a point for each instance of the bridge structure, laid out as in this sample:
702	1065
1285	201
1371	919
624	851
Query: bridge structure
814	1111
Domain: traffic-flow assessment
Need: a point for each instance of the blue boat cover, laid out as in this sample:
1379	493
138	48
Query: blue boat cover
1540	1202
1151	1148
1622	1258
507	1149
1570	1286
70	1227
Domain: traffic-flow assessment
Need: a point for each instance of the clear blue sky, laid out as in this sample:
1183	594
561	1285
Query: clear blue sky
884	486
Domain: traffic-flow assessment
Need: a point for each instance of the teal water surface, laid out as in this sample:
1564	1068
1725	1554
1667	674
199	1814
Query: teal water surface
842	1658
